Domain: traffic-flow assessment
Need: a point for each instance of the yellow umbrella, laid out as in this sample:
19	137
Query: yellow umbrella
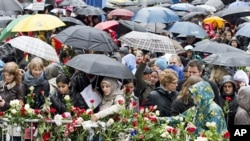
38	22
220	22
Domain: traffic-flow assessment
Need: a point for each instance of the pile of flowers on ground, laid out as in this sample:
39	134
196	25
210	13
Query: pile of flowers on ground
124	125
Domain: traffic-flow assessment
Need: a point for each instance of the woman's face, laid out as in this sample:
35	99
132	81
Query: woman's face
63	88
228	36
9	78
154	78
228	88
234	44
36	72
139	57
106	88
172	86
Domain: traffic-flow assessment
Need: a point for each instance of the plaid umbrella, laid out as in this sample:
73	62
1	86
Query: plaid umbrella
35	47
149	41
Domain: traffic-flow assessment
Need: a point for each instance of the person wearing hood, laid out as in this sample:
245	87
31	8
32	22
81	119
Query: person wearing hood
240	79
235	43
242	116
112	98
228	95
205	110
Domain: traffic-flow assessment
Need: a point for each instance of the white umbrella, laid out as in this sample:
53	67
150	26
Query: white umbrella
35	47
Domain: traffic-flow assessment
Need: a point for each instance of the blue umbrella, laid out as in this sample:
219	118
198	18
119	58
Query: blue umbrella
182	6
188	29
244	31
156	15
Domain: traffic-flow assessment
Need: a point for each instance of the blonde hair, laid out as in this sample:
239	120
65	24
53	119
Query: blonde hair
217	74
35	62
168	76
184	93
13	69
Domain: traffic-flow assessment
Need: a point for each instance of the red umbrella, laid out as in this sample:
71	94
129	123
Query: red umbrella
121	12
106	25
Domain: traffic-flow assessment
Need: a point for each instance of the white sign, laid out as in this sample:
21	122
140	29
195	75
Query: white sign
38	5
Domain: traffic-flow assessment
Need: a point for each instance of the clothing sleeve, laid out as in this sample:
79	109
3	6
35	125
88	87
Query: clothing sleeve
150	99
21	92
46	88
138	75
112	109
216	93
175	109
242	118
57	104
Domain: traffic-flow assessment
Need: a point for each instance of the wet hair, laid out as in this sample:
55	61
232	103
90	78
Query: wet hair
168	76
195	63
63	78
35	62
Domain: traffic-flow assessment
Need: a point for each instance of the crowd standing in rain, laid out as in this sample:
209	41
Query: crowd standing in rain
175	61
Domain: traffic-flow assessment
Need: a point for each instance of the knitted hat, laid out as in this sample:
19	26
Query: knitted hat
161	63
240	75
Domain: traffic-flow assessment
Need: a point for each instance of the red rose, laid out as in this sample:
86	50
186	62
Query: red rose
191	129
36	111
203	135
226	135
228	98
134	104
142	136
1	114
42	92
39	0
121	102
46	136
52	110
135	123
146	128
127	90
124	120
22	111
92	101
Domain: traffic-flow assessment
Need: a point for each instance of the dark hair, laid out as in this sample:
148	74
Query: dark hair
62	78
195	63
126	81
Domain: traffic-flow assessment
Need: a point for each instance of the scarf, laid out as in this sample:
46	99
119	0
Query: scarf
29	80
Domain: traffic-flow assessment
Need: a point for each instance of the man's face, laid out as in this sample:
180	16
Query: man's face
194	71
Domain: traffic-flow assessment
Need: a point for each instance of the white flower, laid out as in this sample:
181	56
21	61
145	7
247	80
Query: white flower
79	120
58	119
30	111
31	88
201	139
26	106
155	107
141	110
67	98
157	112
146	110
181	119
13	111
210	124
14	103
89	111
110	122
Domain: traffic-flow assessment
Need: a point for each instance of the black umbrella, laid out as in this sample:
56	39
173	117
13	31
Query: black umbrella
233	15
74	3
88	38
101	65
233	59
127	26
89	10
215	47
69	21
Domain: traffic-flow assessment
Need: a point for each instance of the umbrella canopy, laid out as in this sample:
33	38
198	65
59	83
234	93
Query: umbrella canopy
238	4
7	30
10	5
122	2
244	30
56	10
154	27
89	10
148	41
106	25
126	26
38	22
233	15
2	13
198	2
74	3
69	21
220	22
193	15
101	65
4	20
155	15
35	46
233	59
217	4
182	6
121	12
214	47
188	29
86	37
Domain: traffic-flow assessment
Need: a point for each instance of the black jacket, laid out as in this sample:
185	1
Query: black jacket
58	102
162	99
178	106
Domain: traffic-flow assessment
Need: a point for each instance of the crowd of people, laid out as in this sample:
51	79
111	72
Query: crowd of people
174	84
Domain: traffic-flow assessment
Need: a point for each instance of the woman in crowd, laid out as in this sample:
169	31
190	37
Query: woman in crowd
35	82
113	98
